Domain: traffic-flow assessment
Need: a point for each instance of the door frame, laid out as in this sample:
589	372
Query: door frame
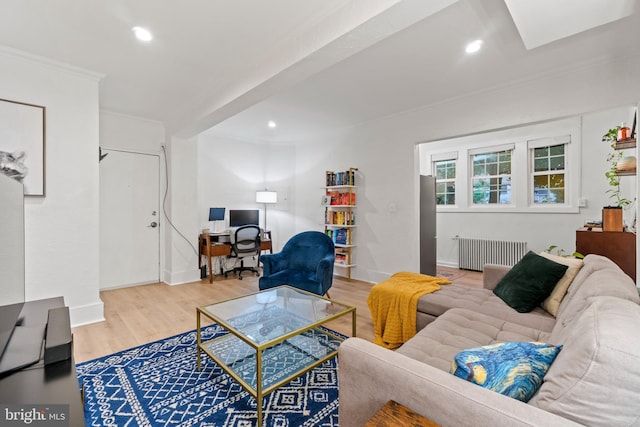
159	198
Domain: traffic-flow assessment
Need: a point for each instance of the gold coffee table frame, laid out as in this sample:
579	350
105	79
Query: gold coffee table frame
264	322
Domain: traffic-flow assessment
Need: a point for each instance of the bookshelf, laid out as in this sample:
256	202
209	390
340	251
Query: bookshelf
340	216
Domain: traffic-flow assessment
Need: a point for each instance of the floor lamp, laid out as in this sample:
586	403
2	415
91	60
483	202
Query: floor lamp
266	197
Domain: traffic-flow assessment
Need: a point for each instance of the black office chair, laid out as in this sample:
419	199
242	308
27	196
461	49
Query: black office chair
245	242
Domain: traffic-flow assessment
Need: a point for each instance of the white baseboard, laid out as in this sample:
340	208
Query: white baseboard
86	314
178	278
447	264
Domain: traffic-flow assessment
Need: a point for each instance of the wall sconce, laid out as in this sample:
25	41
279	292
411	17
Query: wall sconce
266	197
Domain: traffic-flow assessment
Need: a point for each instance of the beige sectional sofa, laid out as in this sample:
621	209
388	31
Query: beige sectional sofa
594	380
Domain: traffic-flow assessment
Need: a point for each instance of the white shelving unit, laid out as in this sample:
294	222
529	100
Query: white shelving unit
340	216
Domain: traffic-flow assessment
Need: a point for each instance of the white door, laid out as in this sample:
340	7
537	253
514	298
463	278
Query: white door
129	219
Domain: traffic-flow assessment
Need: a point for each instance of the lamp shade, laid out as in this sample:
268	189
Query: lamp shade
266	196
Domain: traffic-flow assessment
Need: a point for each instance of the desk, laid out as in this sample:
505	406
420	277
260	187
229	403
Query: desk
209	247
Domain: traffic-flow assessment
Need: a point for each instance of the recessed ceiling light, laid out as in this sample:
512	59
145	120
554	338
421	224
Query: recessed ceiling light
474	46
271	124
142	34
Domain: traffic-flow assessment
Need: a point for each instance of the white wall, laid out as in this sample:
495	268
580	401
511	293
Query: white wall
61	229
180	210
385	153
230	172
541	230
131	133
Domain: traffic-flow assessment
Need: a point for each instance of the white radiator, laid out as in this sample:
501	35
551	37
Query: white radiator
473	254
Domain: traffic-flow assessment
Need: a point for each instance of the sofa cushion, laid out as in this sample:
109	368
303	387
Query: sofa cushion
514	369
603	278
482	301
459	329
595	378
552	303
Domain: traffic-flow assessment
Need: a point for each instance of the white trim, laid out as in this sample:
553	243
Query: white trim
544	142
492	149
518	139
438	157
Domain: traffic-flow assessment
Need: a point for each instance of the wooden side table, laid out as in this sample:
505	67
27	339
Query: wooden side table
393	414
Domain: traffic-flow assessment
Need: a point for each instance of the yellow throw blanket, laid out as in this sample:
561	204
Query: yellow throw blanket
393	305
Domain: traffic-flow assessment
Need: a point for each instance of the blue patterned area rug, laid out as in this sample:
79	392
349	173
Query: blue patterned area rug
158	384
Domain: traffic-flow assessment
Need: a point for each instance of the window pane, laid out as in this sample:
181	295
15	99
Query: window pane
556	150
451	172
541	164
556	196
557	163
541	152
492	169
556	181
540	182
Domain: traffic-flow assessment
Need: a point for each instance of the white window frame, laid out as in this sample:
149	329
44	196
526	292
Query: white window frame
470	176
445	157
522	139
564	140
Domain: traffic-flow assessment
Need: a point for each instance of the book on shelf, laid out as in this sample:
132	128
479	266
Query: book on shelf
339	218
343	199
341	257
340	236
347	177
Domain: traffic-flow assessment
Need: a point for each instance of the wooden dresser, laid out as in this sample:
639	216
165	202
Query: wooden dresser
618	246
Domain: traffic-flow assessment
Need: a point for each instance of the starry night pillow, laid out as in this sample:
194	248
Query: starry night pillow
515	369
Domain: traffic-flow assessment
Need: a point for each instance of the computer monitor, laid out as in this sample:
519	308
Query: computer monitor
216	214
238	218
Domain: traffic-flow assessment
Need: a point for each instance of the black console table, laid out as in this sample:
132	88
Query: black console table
53	384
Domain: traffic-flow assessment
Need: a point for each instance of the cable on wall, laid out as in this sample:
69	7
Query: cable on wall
164	201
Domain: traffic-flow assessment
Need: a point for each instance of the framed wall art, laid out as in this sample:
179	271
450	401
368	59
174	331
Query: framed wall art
22	144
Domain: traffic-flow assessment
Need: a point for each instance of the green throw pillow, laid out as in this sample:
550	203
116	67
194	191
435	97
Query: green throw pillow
515	369
529	282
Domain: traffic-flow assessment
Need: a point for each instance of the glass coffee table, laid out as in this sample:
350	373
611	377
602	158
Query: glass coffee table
274	336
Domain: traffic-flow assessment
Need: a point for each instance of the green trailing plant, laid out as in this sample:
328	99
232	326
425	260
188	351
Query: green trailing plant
615	194
561	252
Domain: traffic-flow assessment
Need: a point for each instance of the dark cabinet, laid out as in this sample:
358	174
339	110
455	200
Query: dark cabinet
618	246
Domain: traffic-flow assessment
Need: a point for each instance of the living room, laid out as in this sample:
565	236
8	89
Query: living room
68	263
63	228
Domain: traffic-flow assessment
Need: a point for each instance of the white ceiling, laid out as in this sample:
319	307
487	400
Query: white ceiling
314	65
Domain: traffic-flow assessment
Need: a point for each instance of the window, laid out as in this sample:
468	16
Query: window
533	169
491	177
548	174
445	173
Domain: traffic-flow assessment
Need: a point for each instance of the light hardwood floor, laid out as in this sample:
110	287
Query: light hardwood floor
141	314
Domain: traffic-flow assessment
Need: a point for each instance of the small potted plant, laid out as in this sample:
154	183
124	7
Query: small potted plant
612	215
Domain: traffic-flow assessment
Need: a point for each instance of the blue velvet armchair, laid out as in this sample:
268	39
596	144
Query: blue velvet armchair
305	262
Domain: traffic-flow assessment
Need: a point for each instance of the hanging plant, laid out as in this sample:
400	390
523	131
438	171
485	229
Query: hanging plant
615	194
